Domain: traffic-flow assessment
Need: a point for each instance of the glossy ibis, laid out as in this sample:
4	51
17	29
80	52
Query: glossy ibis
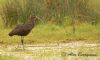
24	29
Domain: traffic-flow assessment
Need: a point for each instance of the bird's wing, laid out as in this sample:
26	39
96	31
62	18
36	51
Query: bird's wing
19	26
16	30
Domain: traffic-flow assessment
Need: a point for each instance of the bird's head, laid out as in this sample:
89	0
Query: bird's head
34	19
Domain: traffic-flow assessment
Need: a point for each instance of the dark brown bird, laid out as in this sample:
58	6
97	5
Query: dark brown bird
24	29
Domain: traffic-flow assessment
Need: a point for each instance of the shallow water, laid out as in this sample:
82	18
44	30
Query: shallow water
64	51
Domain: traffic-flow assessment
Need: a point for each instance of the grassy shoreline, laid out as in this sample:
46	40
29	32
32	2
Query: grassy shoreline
49	33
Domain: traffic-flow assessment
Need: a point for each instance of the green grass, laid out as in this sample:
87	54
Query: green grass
4	57
50	33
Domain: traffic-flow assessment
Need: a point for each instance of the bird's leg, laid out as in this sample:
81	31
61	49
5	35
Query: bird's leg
22	38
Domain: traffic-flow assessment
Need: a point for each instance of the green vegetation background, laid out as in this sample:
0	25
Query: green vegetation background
58	19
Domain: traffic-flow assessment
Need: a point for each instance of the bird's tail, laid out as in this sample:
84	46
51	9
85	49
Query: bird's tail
10	34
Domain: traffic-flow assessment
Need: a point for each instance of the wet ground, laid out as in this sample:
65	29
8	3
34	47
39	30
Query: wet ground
63	51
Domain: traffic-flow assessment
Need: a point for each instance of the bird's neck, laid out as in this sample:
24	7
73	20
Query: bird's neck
31	23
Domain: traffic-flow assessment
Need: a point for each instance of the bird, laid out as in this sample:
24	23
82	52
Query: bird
24	29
